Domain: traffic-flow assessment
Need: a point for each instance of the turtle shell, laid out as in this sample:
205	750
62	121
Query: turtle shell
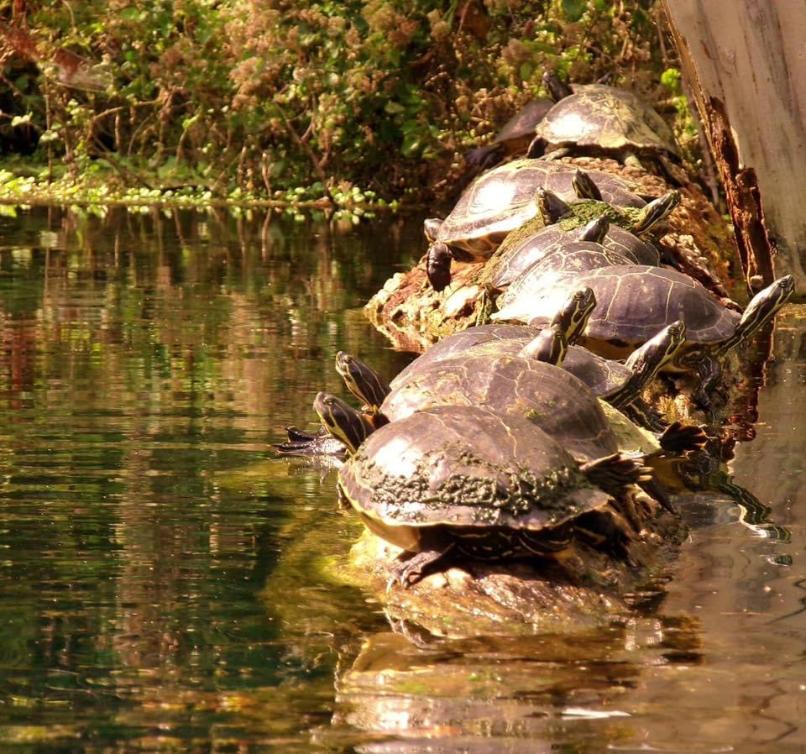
460	342
607	118
503	199
550	397
633	303
578	257
602	376
462	467
522	125
637	250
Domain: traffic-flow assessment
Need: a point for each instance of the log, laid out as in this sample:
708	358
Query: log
745	63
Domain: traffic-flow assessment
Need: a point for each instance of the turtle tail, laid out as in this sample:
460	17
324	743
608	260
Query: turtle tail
616	473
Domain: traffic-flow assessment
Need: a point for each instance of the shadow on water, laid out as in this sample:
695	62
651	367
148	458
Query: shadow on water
167	584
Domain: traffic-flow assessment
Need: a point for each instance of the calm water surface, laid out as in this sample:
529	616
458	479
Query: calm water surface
163	579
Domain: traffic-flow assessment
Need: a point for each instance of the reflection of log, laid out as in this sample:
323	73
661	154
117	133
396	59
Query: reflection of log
744	63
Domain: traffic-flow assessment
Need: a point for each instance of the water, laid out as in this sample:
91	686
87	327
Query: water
162	585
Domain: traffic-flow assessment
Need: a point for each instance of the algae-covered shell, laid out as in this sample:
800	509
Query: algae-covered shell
467	468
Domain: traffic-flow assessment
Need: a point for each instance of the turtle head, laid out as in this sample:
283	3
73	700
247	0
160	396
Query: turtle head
342	420
431	227
762	308
550	207
438	265
658	351
555	86
584	186
595	230
572	318
655	211
362	380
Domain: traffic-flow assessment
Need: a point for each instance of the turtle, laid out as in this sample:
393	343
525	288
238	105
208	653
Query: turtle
600	119
502	200
513	138
548	344
560	224
463	480
634	302
514	257
555	399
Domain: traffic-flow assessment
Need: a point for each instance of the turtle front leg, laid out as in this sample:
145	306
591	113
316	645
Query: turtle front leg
438	265
409	572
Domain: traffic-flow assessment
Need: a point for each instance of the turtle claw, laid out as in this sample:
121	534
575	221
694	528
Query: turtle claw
678	438
406	573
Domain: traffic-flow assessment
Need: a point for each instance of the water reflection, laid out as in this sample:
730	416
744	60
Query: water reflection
168	585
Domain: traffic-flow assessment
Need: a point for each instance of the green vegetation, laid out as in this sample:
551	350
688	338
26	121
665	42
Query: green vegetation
255	100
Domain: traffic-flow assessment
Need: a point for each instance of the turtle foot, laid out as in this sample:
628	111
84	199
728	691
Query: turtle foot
678	438
408	572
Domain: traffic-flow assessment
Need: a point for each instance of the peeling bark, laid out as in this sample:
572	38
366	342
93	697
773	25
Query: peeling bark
745	63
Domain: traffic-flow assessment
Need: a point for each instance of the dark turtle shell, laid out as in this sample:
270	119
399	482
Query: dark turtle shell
637	250
521	126
602	376
605	118
634	302
520	251
503	199
550	397
463	467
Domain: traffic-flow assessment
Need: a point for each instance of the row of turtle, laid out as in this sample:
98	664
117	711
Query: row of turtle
510	440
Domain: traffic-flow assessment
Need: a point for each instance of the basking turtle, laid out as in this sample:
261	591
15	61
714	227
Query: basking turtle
513	138
516	256
548	344
600	119
537	239
461	479
503	199
556	400
634	302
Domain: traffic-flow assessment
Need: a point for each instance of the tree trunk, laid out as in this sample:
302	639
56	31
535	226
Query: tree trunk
745	63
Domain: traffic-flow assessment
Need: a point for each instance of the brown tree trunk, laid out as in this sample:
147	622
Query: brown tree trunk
745	63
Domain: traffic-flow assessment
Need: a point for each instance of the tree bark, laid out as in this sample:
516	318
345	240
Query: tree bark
745	63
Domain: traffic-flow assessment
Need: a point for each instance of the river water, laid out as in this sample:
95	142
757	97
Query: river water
161	572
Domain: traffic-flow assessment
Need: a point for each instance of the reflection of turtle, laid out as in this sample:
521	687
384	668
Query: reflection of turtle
634	302
487	487
513	138
502	200
600	119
